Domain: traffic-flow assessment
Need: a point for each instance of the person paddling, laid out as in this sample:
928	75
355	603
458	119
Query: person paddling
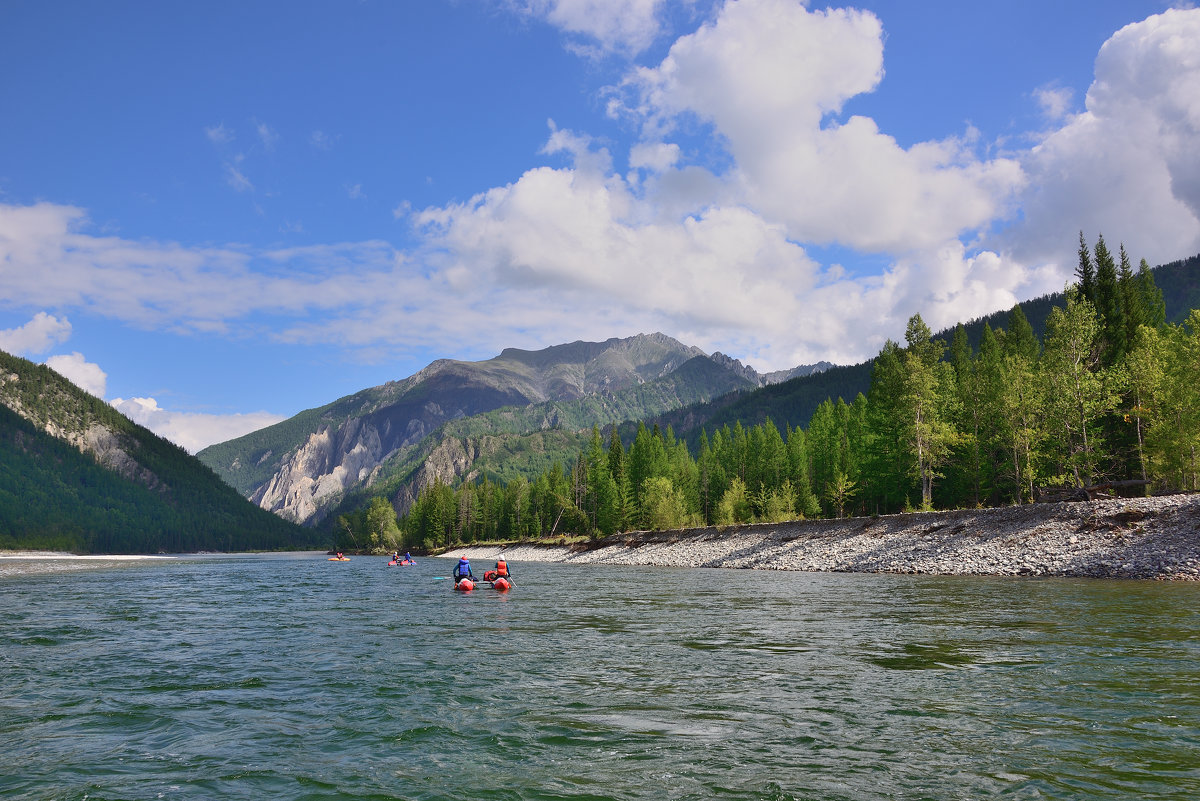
500	571
463	570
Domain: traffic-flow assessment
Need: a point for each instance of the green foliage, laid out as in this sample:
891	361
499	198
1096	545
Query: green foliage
54	496
984	424
734	506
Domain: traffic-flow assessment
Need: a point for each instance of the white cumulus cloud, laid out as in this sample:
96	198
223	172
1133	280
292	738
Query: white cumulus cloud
769	75
629	25
79	371
1126	166
38	335
190	430
726	257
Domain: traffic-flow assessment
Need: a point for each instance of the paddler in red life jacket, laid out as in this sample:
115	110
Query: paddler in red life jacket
462	570
500	570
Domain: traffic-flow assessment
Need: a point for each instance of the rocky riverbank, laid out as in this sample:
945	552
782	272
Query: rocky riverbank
1143	538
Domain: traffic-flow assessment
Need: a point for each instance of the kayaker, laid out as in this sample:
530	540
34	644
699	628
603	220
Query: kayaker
463	569
408	557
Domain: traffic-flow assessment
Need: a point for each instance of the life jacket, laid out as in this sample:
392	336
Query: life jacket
463	569
501	568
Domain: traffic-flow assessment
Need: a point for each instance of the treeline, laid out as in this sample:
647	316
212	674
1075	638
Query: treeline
1108	393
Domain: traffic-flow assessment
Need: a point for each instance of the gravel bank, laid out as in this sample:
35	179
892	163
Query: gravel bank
1143	538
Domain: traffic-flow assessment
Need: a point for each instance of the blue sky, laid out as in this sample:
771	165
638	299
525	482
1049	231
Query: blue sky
216	215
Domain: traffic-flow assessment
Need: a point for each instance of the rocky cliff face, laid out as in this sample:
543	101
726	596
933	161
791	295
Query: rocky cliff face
328	463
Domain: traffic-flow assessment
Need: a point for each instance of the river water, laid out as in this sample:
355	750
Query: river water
291	677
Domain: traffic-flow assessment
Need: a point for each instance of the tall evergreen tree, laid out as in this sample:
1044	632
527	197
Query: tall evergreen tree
1145	364
1019	339
1153	305
887	487
618	467
965	479
1131	299
1086	272
1108	305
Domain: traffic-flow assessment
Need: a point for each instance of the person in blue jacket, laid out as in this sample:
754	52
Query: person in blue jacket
462	570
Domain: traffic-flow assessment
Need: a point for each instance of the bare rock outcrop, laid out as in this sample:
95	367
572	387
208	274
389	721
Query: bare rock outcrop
326	465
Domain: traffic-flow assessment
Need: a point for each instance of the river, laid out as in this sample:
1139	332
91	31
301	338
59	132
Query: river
291	677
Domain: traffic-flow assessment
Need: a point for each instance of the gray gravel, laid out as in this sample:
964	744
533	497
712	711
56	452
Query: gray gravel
1143	538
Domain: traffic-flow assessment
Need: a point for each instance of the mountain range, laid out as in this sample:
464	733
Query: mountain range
446	420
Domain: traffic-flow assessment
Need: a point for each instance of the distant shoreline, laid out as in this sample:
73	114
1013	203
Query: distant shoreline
1134	538
62	555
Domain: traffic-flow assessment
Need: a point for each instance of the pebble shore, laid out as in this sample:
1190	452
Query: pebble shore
1142	538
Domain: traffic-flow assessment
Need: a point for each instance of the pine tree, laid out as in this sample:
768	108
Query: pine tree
800	473
965	474
618	467
1108	306
1020	340
1086	272
886	456
1153	305
1131	299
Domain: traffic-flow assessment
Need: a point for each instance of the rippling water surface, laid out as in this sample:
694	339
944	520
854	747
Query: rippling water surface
291	677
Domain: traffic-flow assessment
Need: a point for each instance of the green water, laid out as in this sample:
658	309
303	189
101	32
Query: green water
290	677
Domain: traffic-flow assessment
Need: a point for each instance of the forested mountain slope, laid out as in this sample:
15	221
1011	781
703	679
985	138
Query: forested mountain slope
792	403
304	466
77	475
514	442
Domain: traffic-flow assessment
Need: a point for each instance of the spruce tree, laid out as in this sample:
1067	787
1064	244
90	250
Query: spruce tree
1086	272
1020	340
1108	305
1154	307
1131	299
